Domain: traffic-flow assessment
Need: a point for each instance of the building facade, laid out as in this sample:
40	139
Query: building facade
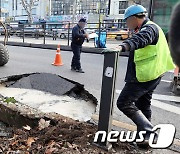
69	7
40	10
117	8
60	10
72	10
4	9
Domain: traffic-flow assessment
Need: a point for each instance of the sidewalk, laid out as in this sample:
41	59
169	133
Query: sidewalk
88	47
49	40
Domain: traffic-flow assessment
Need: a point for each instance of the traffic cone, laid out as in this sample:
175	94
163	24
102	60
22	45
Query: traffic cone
58	59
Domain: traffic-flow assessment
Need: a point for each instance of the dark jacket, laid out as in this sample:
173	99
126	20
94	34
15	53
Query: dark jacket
147	35
78	35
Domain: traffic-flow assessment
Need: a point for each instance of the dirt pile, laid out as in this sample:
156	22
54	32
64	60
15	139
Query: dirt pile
68	136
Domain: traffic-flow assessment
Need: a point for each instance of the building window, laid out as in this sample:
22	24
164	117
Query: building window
24	12
34	11
16	5
12	4
122	6
82	7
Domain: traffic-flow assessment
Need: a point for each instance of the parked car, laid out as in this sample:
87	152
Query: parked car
49	33
63	33
10	30
118	34
30	31
2	31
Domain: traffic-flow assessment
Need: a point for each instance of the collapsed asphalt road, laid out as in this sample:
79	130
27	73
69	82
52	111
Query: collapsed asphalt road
50	93
46	82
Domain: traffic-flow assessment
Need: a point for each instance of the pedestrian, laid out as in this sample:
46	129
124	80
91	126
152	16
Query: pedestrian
9	33
149	59
55	33
36	33
78	37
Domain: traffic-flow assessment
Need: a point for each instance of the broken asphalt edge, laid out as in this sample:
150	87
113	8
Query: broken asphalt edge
92	50
78	89
19	115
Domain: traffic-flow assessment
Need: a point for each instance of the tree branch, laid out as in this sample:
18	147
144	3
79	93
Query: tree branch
28	7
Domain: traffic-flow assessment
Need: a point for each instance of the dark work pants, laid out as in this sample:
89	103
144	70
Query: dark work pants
137	96
76	56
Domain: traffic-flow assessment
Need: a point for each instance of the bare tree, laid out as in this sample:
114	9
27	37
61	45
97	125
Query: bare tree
74	10
28	5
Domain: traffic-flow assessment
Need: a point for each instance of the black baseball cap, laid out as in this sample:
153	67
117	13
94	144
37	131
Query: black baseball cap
82	20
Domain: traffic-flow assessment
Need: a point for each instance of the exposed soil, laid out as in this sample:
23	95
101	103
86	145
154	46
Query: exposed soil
68	136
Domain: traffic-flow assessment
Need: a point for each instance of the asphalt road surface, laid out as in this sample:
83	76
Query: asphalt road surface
30	60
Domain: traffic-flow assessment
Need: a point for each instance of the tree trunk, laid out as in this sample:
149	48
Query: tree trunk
28	8
74	11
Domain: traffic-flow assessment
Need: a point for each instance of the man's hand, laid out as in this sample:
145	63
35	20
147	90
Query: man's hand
110	50
86	35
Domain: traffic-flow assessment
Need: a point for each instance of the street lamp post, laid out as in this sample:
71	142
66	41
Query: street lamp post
109	7
99	23
0	9
74	11
150	9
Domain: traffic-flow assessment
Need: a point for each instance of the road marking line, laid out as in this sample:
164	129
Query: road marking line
162	105
166	107
161	97
128	127
166	81
117	123
171	71
166	98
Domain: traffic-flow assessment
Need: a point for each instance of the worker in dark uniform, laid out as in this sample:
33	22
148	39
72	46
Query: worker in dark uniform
55	34
149	59
78	37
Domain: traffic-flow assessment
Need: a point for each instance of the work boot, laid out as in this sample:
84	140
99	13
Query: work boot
145	143
80	70
143	124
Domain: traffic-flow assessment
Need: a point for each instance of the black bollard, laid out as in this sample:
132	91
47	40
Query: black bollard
107	97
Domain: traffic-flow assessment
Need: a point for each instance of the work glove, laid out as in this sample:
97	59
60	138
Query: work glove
111	50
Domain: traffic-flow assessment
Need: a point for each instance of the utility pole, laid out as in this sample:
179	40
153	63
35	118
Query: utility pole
150	13
50	3
0	9
99	11
74	10
109	7
99	34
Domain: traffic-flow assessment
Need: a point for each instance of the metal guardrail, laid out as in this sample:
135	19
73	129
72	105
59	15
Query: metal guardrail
46	30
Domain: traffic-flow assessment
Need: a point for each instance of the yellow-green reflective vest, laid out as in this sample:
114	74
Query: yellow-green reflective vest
153	60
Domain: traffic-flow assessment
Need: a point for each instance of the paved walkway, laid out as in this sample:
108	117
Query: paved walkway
110	43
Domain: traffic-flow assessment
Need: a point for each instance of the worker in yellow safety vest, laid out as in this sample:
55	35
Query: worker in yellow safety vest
149	59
